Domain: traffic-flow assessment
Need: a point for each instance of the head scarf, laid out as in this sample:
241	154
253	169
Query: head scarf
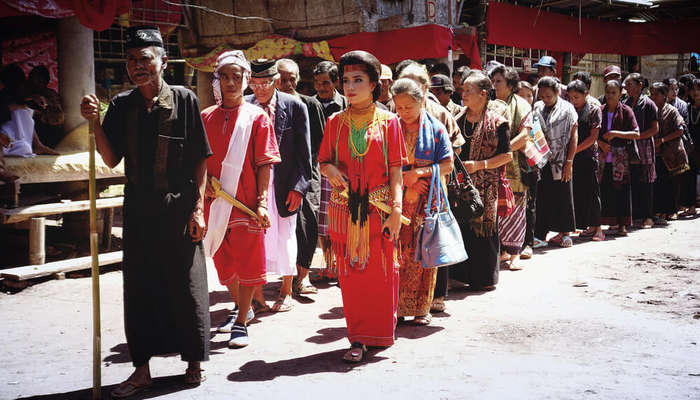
233	57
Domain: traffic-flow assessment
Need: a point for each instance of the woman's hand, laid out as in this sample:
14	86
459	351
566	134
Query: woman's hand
604	147
209	189
263	217
197	226
567	171
472	166
393	224
336	178
410	177
609	136
422	186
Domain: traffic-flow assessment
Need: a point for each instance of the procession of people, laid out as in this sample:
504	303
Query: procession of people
259	181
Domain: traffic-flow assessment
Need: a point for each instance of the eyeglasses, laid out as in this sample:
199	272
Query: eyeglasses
261	85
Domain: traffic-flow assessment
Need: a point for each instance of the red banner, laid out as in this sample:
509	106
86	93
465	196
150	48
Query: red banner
31	51
521	27
426	41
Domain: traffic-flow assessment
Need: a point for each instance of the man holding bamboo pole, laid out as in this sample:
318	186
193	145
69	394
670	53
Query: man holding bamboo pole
158	131
245	148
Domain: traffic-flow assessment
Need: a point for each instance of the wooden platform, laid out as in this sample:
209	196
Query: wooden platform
58	267
19	214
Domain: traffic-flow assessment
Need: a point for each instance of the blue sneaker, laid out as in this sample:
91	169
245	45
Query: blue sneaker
239	336
226	326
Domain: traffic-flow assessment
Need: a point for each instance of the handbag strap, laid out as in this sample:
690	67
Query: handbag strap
459	167
440	195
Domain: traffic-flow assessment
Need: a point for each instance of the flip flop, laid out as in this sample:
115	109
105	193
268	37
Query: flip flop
556	240
301	287
281	306
566	241
598	238
438	306
260	308
355	354
422	320
128	389
538	243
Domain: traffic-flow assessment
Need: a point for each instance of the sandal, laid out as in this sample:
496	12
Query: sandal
438	305
422	320
302	287
194	376
598	237
259	308
566	241
128	389
526	254
281	305
556	240
539	243
356	353
621	233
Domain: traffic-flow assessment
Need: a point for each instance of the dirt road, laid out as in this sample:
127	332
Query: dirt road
612	320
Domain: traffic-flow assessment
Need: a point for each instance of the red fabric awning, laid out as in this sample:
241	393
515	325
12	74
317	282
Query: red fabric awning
426	41
510	25
470	48
94	14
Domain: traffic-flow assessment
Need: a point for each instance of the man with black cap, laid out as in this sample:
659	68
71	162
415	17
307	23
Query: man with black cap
158	131
290	180
441	87
547	66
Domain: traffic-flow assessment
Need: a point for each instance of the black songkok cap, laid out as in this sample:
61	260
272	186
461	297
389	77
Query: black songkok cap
263	68
143	36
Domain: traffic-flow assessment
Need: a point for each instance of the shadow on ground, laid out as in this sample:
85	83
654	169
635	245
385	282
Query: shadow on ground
161	386
330	361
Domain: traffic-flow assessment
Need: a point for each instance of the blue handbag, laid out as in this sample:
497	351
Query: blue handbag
439	239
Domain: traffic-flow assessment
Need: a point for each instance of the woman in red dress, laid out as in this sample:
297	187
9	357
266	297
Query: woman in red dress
361	155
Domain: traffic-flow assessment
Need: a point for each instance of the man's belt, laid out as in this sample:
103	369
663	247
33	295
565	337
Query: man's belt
219	192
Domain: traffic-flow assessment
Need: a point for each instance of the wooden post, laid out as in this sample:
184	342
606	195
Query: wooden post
94	250
37	241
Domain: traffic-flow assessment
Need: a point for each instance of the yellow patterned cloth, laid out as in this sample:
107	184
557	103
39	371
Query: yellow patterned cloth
273	47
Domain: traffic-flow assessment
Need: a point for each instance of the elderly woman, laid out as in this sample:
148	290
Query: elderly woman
618	130
486	149
511	229
555	199
427	144
362	154
417	73
586	186
671	158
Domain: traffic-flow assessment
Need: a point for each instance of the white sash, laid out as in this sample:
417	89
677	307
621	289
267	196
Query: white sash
231	168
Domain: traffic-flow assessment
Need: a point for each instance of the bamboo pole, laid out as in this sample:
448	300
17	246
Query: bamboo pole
94	249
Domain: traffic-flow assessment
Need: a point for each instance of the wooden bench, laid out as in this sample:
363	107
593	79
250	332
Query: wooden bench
58	267
35	215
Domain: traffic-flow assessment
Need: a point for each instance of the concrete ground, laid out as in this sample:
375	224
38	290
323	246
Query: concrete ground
612	320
